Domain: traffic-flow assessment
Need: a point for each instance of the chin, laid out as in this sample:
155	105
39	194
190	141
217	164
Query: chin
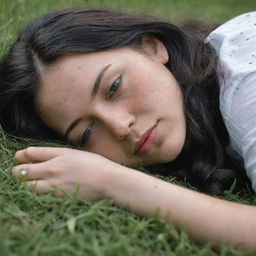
170	152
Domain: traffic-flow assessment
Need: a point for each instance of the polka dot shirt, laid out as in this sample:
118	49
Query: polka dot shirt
235	45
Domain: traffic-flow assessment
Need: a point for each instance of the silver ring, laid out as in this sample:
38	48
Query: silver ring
23	172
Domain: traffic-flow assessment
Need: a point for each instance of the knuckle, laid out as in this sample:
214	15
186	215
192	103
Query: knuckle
29	151
55	171
18	154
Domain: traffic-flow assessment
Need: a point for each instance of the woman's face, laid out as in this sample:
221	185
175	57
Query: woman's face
123	104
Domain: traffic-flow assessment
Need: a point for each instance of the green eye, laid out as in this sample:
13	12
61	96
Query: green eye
114	87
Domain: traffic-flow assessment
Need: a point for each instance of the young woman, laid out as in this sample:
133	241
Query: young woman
134	91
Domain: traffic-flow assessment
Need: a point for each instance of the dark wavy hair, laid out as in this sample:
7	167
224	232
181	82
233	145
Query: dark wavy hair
204	161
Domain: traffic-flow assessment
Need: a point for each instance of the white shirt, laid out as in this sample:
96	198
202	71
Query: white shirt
235	45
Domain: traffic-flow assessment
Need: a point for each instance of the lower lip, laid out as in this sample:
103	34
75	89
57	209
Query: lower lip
149	143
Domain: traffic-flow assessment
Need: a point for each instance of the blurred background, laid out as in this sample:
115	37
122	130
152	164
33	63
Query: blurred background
14	14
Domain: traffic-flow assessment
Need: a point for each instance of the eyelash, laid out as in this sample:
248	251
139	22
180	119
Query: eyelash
86	135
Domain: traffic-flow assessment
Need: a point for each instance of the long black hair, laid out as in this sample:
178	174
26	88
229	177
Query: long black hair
203	160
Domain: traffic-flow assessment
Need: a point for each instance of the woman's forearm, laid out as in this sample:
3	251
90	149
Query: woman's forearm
204	218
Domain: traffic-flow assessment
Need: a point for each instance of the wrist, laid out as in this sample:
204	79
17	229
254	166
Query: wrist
115	180
135	191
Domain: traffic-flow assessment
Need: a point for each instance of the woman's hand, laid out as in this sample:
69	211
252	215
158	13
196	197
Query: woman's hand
63	170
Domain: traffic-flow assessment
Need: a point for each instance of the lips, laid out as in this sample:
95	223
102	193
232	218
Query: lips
146	141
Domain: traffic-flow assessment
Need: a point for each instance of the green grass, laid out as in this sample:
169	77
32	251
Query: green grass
34	224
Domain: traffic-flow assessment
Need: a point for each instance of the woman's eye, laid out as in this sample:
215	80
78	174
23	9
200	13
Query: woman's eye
114	87
86	136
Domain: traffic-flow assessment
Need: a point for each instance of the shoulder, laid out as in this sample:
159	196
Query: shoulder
234	29
235	41
235	46
241	124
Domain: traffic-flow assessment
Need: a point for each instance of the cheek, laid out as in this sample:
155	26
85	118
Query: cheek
145	86
109	150
153	80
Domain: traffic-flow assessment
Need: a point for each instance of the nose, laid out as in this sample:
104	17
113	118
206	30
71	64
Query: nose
119	122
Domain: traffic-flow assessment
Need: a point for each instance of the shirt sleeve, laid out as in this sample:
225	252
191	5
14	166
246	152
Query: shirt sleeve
235	46
242	124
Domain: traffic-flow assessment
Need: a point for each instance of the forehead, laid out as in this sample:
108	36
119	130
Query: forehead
63	85
64	74
73	73
67	83
69	70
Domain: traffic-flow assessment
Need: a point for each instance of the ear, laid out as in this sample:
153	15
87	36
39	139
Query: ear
155	49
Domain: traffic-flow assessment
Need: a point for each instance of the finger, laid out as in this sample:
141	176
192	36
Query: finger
43	187
36	171
38	154
40	186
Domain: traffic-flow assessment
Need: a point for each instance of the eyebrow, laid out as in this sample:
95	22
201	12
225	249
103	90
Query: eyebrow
97	83
94	92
